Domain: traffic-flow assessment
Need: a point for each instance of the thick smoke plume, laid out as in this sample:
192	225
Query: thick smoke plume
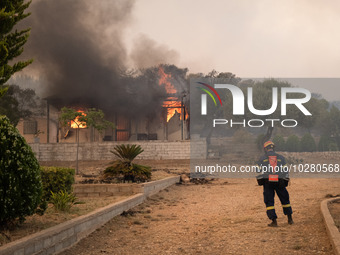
147	52
77	45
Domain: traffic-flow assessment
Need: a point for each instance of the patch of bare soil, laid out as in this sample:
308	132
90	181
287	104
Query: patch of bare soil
36	223
225	216
334	209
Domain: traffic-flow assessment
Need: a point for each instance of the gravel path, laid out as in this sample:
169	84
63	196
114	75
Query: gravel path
224	217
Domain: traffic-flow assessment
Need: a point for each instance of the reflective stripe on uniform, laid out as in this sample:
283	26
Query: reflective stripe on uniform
270	208
287	205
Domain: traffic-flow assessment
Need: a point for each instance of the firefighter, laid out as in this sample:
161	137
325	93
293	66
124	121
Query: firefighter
274	178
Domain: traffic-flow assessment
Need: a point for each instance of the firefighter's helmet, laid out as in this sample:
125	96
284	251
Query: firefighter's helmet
268	145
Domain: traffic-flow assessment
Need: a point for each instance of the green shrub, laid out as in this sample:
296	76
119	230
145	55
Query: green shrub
55	179
324	143
124	169
141	173
307	143
63	201
333	147
280	144
127	152
337	141
293	143
20	181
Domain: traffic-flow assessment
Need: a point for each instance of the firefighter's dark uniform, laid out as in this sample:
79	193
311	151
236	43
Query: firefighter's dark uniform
272	185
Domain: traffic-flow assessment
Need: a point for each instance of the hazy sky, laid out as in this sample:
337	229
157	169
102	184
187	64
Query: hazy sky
251	38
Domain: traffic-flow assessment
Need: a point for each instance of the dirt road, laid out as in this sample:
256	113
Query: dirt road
217	218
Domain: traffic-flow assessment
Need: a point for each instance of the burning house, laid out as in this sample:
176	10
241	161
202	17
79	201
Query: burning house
85	65
161	115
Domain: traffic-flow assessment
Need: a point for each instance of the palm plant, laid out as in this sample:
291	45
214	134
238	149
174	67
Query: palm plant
123	166
127	153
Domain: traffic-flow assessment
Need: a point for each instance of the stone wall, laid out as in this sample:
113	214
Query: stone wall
101	151
106	190
334	155
58	238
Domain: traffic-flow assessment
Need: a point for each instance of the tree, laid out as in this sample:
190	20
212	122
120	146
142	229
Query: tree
90	118
9	106
11	42
20	103
261	92
293	143
20	181
307	143
329	125
264	90
335	124
324	143
280	144
333	147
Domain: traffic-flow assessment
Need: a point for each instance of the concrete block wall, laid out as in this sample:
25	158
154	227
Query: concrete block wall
101	151
100	190
105	190
317	154
58	238
332	229
62	236
151	188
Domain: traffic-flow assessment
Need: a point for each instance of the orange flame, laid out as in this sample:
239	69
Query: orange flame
171	107
172	103
78	124
165	80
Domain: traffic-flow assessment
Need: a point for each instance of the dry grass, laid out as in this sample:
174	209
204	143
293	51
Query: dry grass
36	223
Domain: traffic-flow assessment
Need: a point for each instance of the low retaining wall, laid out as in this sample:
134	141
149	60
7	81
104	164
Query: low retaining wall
151	188
63	236
332	229
101	151
106	190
